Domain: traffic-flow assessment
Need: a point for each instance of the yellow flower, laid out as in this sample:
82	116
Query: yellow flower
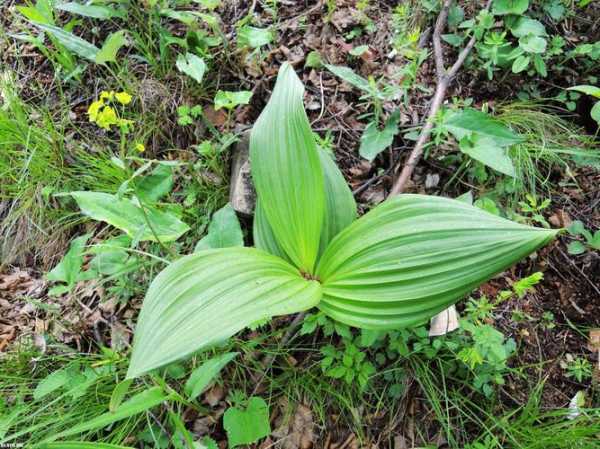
104	95
94	109
140	147
107	117
123	97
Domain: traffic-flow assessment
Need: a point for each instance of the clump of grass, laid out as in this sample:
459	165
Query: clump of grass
551	143
23	417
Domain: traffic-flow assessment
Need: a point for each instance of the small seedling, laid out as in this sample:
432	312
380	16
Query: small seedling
590	242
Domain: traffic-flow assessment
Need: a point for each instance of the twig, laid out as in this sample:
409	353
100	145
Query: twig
444	78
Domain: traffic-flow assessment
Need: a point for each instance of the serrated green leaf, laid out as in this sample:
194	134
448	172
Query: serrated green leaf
191	65
128	217
205	373
224	230
111	46
71	42
248	425
414	255
205	298
287	171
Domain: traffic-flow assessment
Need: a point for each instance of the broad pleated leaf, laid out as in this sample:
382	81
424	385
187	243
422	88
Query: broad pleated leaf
205	298
340	210
287	172
340	206
414	255
263	234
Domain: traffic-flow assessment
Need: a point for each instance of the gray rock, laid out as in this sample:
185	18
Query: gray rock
242	195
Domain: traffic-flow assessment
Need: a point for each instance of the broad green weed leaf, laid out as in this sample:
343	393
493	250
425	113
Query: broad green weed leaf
205	373
504	7
520	63
350	76
533	44
587	89
35	15
54	381
192	65
93	11
374	140
80	47
156	185
414	255
464	122
525	26
111	256
249	36
205	298
229	100
111	46
485	150
139	403
249	425
118	394
128	217
224	230
287	171
68	269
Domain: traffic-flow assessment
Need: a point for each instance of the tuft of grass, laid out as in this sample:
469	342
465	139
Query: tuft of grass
551	143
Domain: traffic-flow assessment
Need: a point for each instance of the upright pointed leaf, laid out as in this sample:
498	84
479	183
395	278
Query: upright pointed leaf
205	298
287	172
340	206
340	210
73	43
413	256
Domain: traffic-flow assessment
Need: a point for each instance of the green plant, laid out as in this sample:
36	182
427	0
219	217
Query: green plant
591	241
374	140
397	266
350	364
187	114
578	367
592	91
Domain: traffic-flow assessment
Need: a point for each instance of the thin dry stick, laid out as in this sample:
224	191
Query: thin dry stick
444	78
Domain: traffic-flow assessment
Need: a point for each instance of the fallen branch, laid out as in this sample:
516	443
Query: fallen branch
444	78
